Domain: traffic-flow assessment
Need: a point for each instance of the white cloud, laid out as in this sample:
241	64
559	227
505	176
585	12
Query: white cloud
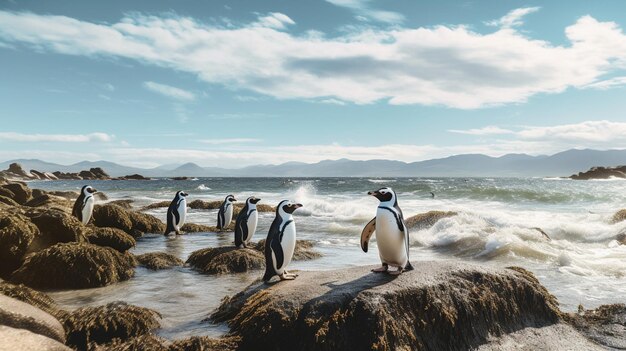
229	141
513	18
275	20
489	130
62	138
170	91
608	83
366	12
443	65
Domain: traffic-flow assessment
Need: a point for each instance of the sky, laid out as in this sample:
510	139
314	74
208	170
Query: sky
237	83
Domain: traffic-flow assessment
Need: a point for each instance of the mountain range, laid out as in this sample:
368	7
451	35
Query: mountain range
467	165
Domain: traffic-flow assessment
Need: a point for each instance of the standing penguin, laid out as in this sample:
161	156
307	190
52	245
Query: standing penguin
83	207
176	213
281	242
225	214
245	226
392	234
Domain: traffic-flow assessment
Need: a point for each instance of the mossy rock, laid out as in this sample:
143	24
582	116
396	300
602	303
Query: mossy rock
205	343
57	227
146	342
8	201
221	260
22	192
49	201
133	223
125	204
111	237
159	260
427	219
103	324
304	250
32	297
7	193
159	204
198	228
74	266
16	235
619	216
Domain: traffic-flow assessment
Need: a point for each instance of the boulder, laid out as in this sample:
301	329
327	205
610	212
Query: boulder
24	340
74	266
67	176
146	342
197	228
8	201
215	204
16	234
49	201
17	314
87	175
621	238
427	219
221	260
159	260
57	227
133	177
438	306
601	173
32	297
22	193
69	195
99	173
606	325
132	222
111	237
7	193
619	216
159	204
104	324
125	204
304	250
205	343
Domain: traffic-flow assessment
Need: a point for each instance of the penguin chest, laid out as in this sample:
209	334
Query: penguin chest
228	215
288	244
390	240
87	209
182	212
253	220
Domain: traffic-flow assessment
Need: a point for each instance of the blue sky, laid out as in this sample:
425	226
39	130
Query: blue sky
234	83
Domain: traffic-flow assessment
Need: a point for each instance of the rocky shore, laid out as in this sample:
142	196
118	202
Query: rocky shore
15	172
601	173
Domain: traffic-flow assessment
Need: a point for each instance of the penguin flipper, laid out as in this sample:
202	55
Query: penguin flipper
367	232
278	253
77	210
176	216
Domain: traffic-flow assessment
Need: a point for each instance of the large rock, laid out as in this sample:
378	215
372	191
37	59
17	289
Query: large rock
601	173
17	314
8	201
22	193
104	324
427	219
619	216
198	228
32	297
605	325
437	306
14	339
159	260
16	234
132	222
205	343
57	227
111	237
50	201
220	260
74	266
146	342
304	250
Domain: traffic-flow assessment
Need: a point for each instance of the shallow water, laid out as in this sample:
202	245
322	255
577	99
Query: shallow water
581	264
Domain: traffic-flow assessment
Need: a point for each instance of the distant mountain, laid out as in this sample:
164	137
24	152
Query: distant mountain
468	165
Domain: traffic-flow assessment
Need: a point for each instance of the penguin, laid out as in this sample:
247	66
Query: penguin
225	214
392	233
281	242
176	213
83	207
246	222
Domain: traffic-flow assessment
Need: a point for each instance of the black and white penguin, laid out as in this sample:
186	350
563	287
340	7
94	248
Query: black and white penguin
246	222
83	207
281	242
225	214
176	213
392	234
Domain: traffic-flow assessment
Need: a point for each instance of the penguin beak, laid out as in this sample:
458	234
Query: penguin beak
93	191
372	193
255	200
297	206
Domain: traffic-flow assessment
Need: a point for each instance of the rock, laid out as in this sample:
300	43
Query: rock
17	314
159	260
205	343
427	219
214	205
7	193
605	325
104	324
43	175
111	237
8	201
133	177
49	201
601	173
619	216
21	192
159	204
32	297
133	223
15	171
16	234
24	340
180	178
146	342
621	238
69	195
197	228
438	306
304	250
101	196
125	204
57	227
99	173
67	176
74	266
221	260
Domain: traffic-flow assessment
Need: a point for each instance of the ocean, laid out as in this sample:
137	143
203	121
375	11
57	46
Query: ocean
496	225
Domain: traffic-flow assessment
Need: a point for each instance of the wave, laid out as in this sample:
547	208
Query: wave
203	187
382	181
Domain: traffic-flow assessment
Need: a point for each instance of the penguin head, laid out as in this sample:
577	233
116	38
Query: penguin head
287	207
181	194
383	194
88	190
253	200
230	198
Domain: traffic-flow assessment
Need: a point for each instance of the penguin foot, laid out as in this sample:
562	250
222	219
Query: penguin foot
286	277
398	272
291	274
382	269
